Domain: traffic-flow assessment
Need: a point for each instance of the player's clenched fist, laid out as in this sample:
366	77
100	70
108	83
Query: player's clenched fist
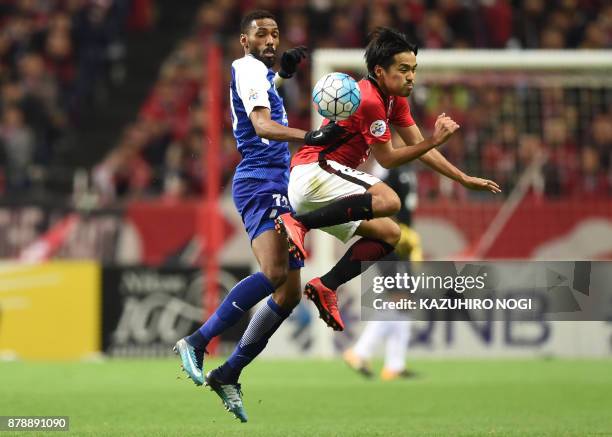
443	129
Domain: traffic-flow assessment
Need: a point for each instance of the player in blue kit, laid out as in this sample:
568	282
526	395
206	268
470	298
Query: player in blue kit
260	126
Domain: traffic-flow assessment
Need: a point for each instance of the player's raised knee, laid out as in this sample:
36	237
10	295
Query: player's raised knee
394	205
386	205
393	234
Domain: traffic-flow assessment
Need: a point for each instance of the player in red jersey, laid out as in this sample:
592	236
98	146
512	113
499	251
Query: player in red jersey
328	193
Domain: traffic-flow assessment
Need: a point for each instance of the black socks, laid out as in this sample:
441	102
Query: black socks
349	266
347	209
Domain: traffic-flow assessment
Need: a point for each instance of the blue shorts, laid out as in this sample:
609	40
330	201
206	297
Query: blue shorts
259	202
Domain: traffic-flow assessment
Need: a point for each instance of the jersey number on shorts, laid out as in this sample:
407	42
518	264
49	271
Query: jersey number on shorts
279	200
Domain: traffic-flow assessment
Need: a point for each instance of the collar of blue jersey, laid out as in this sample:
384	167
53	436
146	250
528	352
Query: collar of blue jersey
372	79
251	55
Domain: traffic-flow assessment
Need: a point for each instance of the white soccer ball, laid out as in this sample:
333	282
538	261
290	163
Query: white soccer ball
336	96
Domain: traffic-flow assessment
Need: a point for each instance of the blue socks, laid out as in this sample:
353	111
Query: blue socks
239	300
263	324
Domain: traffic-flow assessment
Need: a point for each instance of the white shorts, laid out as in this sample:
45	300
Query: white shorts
314	185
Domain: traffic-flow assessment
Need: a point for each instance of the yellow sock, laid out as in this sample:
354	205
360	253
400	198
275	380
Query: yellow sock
409	245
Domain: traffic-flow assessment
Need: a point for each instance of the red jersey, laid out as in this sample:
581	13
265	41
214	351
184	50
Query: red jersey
368	125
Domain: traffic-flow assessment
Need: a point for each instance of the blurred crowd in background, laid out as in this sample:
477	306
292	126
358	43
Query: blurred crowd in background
56	57
159	152
564	131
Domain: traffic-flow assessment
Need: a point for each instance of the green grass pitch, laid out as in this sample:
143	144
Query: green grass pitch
319	398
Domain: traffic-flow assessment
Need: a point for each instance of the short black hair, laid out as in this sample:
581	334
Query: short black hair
384	44
257	14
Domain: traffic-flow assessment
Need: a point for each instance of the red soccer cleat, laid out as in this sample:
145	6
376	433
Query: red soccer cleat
294	232
327	303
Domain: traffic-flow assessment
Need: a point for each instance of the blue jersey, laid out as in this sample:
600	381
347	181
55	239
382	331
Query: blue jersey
253	85
261	179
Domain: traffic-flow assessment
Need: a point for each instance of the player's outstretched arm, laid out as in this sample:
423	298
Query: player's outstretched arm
390	157
435	160
267	128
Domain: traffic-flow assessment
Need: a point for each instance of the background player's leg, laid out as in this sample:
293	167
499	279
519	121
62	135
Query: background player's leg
358	358
409	246
398	336
372	336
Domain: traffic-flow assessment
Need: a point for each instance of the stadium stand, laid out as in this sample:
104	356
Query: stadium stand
159	152
57	57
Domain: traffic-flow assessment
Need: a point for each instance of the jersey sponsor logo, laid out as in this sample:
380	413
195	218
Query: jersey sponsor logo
253	95
378	128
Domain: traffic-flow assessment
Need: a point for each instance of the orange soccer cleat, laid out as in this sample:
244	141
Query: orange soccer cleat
357	364
294	232
391	375
326	302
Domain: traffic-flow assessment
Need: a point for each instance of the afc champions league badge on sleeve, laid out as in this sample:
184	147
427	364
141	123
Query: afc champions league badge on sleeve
253	95
378	128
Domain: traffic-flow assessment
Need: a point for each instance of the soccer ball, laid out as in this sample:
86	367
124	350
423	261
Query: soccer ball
336	96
